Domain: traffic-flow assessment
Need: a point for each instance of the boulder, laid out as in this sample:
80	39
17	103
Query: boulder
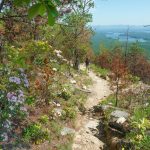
119	114
118	124
121	120
92	126
57	112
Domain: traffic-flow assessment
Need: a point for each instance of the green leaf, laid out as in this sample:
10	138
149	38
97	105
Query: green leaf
57	2
34	10
27	1
52	10
42	10
18	2
52	14
51	19
21	2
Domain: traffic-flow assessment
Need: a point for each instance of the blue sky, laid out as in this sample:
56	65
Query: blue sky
121	12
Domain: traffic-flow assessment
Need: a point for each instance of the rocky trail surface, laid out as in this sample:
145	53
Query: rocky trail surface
86	126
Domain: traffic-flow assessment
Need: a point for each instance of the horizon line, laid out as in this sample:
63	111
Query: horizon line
120	25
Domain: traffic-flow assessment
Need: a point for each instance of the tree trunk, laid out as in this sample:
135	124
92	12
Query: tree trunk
36	34
76	61
117	91
3	59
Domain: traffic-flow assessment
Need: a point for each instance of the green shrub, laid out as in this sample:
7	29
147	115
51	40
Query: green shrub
134	79
55	127
13	91
65	94
110	99
69	112
141	124
30	100
35	133
140	113
44	119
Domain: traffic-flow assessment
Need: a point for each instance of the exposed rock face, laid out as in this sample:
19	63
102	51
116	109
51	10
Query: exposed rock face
121	120
118	114
118	124
85	138
112	131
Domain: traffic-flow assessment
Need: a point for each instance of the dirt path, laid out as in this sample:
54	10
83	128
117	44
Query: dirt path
86	126
99	90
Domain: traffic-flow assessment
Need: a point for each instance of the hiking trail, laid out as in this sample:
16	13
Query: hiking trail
85	125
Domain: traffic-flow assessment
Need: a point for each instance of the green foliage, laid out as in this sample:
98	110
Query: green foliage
69	112
109	100
136	49
134	79
141	125
18	2
35	133
40	8
35	52
55	128
140	113
65	95
37	58
44	119
36	9
30	100
100	37
14	84
66	92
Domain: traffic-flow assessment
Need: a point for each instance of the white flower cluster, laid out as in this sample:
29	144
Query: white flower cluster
58	51
59	55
